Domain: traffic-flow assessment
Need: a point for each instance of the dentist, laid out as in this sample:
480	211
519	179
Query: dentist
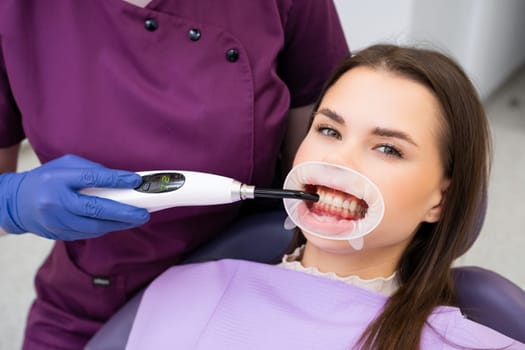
104	88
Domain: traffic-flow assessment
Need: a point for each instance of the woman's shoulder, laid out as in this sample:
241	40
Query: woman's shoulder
225	274
214	273
218	273
449	326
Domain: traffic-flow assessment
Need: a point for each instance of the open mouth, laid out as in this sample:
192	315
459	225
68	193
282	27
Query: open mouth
337	204
349	207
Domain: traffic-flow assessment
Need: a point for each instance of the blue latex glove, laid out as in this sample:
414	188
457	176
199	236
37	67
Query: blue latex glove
45	201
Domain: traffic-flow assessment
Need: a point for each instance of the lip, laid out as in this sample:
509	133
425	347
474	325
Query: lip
336	179
313	223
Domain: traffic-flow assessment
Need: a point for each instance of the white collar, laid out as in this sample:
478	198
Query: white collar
383	285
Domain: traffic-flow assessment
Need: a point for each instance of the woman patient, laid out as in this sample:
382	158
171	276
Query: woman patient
399	152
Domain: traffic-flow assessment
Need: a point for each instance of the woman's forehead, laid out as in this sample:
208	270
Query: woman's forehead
378	98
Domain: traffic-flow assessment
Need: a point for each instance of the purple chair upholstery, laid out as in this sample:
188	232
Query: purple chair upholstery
483	295
492	300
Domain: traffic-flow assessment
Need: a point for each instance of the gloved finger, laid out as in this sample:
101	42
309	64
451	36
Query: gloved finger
99	177
105	209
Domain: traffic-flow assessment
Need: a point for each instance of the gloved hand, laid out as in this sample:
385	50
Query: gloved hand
45	201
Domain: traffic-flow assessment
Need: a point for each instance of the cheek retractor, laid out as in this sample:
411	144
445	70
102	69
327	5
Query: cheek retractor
350	205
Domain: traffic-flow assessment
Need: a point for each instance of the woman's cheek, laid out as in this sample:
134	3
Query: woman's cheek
304	152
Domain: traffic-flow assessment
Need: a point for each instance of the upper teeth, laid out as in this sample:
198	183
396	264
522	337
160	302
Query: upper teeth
332	201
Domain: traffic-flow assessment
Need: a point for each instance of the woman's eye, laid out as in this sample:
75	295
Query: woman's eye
327	131
390	151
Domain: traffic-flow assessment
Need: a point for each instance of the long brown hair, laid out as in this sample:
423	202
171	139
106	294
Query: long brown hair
424	270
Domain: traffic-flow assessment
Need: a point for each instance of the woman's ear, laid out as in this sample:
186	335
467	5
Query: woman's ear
434	213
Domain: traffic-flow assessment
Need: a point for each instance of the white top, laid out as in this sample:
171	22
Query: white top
383	285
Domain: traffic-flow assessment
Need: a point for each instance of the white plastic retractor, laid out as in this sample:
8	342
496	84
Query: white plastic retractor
325	223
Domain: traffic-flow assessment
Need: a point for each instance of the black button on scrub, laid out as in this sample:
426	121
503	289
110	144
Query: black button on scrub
232	55
194	34
151	24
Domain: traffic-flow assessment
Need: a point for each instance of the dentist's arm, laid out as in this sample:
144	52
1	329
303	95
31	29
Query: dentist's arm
44	201
8	161
8	158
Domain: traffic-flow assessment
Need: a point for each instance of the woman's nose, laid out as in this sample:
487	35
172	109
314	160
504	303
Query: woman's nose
347	159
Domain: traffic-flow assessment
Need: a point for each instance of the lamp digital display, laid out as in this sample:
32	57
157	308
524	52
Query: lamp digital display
161	182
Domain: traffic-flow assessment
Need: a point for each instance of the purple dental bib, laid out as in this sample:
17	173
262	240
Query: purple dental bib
234	304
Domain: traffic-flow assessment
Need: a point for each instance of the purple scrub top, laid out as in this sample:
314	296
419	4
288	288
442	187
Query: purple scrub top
190	85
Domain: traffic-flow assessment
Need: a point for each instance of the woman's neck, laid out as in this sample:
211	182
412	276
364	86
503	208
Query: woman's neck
366	263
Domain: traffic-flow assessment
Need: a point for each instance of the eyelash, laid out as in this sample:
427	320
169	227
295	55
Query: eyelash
323	129
389	149
393	150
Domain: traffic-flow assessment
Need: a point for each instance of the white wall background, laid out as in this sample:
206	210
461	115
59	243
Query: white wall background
487	37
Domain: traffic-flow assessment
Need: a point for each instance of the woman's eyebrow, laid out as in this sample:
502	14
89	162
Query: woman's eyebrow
395	134
327	112
378	131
